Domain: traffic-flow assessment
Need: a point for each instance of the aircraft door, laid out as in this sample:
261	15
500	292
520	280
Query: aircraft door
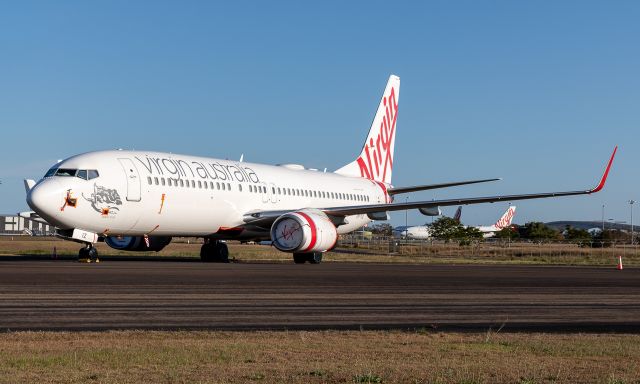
266	192
272	191
133	179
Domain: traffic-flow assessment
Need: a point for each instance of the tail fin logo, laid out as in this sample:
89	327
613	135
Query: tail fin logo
506	219
458	214
377	156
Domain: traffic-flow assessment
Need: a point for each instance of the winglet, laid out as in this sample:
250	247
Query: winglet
606	173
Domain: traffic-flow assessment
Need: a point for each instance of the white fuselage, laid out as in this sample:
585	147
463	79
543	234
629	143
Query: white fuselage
162	194
417	232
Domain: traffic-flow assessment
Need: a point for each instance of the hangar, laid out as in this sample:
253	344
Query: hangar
13	224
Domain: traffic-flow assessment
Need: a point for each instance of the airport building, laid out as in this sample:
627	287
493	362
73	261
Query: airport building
18	225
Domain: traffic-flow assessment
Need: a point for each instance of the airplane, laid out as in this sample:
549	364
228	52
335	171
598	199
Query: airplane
139	200
423	232
502	223
419	232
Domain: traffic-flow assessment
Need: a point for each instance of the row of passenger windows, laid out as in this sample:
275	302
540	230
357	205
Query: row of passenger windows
190	183
309	193
257	189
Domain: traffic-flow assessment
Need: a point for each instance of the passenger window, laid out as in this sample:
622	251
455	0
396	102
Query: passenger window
162	181
199	184
93	174
240	187
181	183
228	186
155	180
149	179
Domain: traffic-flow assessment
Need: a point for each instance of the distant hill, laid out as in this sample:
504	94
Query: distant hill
561	225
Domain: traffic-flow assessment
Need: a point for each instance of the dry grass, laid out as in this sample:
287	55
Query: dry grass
488	253
318	357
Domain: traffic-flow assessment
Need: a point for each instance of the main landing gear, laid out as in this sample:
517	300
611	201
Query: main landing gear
312	258
214	251
88	254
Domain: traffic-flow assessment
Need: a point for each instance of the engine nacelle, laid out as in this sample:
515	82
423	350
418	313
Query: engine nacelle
137	243
432	211
304	232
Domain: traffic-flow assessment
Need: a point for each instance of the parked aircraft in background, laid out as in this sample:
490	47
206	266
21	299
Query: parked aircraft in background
422	232
502	223
419	232
139	200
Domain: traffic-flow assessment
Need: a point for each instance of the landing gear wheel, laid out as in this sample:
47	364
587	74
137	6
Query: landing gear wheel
312	258
93	255
214	252
88	254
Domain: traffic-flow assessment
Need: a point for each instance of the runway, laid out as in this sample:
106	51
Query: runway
65	295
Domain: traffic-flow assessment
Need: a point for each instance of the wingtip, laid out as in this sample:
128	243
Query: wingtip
603	180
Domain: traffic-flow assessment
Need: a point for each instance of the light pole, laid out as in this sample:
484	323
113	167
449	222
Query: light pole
603	218
631	202
406	219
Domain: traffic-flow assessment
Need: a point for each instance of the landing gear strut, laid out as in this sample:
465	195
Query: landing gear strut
214	251
88	254
312	258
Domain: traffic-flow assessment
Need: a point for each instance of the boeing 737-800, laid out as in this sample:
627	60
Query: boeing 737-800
139	200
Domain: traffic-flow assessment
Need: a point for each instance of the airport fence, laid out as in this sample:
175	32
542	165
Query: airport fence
489	247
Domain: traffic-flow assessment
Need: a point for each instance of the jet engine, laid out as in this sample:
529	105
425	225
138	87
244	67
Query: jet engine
137	243
431	211
304	231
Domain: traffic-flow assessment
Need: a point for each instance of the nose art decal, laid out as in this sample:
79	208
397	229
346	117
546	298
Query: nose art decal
104	200
69	201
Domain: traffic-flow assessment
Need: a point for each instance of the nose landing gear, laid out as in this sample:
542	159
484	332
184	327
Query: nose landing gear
88	254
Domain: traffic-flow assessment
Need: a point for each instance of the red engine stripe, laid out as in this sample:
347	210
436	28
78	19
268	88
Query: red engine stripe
312	226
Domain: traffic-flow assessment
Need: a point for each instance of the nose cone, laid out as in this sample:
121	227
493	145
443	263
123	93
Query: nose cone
46	198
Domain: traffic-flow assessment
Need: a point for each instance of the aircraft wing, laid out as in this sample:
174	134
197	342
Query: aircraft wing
415	188
264	218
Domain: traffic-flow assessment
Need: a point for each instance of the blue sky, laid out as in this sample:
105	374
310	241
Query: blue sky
538	93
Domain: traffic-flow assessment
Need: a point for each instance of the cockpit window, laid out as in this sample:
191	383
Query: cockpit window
51	172
66	172
84	174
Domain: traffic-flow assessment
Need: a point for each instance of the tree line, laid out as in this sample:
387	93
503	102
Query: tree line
448	230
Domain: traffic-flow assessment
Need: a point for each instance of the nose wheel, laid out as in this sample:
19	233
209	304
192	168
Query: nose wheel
214	252
88	254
